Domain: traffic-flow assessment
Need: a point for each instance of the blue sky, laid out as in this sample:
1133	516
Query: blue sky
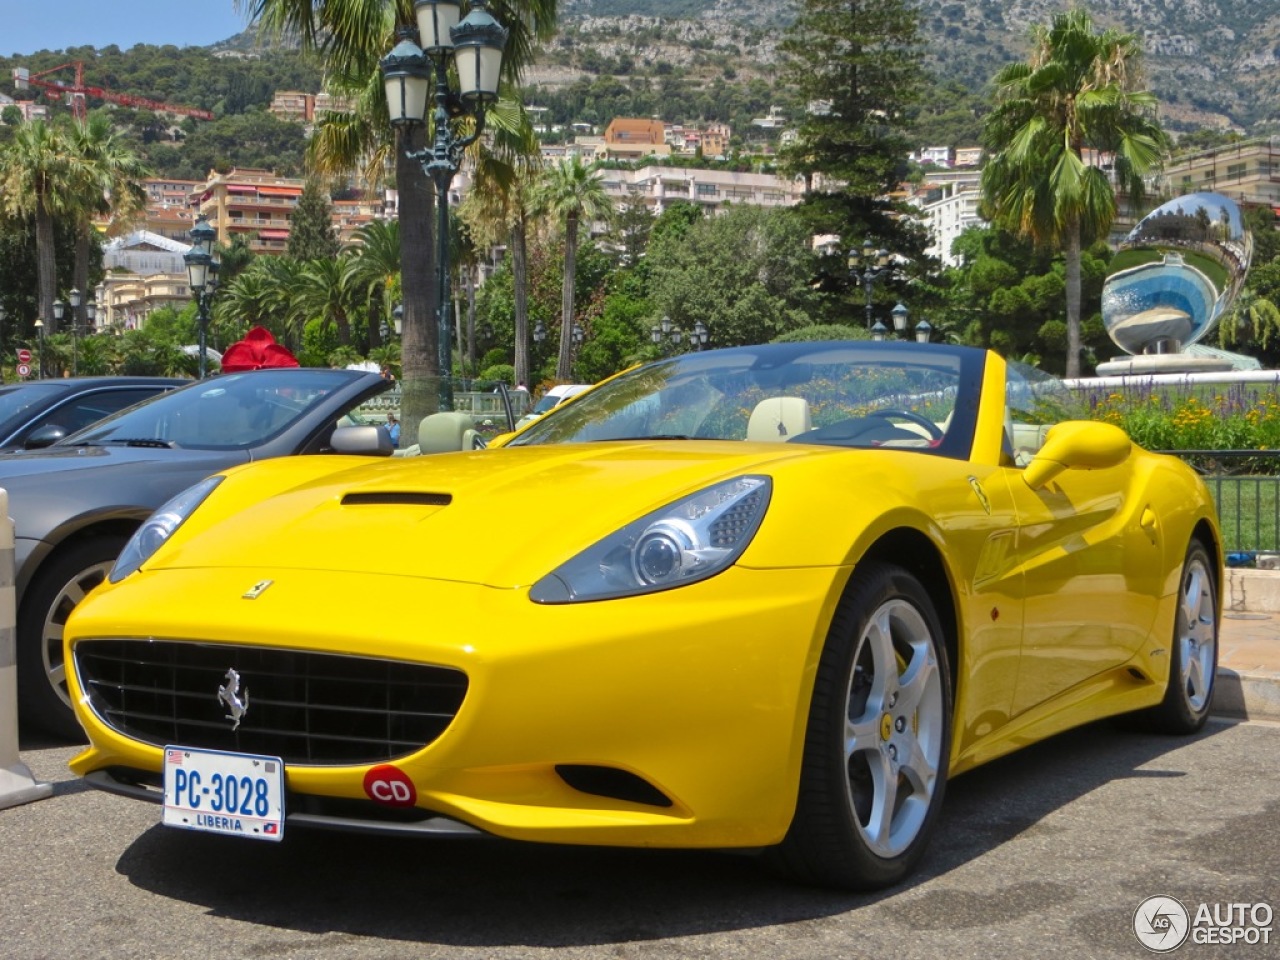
27	26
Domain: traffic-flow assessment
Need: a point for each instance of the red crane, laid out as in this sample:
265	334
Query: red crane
77	92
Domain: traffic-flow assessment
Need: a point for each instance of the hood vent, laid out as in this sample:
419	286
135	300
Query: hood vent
401	499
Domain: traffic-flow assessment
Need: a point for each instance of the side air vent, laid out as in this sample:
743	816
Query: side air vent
398	499
611	782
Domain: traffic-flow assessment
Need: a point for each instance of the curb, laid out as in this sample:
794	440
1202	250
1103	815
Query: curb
1246	696
1255	591
1248	680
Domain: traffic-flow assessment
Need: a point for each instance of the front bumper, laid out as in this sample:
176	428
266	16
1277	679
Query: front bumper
701	693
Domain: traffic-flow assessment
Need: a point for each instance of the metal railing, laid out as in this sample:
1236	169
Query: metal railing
1246	489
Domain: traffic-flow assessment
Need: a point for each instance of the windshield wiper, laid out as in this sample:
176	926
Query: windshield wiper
648	436
141	442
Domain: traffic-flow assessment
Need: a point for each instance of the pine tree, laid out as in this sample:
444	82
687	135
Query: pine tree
311	235
856	64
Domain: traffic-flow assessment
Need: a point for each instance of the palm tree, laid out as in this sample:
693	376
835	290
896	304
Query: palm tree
375	267
107	174
352	36
36	182
1250	317
502	212
570	193
1074	104
327	291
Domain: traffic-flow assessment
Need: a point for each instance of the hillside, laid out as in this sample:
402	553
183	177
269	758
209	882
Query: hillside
1213	63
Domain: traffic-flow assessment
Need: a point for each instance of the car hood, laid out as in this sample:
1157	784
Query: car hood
19	464
47	487
498	517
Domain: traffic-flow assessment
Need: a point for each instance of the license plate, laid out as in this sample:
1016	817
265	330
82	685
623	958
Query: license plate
237	794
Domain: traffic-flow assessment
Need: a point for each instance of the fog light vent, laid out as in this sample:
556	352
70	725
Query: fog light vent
612	782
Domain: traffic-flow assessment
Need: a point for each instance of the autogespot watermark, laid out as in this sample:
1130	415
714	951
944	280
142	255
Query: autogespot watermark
1163	924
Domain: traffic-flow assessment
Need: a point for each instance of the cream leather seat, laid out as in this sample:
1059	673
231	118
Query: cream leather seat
446	432
778	419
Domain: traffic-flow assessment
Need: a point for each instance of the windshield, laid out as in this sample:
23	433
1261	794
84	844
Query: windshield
836	394
234	411
20	398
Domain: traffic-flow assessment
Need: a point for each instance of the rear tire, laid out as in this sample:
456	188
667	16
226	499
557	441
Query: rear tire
55	591
1193	655
878	741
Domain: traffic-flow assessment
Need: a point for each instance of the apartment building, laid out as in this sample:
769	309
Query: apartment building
1247	172
255	204
948	203
293	105
144	272
659	186
627	138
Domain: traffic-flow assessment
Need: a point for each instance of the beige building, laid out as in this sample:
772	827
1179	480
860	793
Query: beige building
255	204
144	272
1247	172
659	185
293	105
627	138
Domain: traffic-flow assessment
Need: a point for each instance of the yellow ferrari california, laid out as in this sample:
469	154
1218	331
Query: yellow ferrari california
765	597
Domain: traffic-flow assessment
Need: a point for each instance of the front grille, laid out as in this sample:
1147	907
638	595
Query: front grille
306	708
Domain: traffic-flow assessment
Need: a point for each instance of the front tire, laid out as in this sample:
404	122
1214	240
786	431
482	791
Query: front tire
878	740
56	590
1193	656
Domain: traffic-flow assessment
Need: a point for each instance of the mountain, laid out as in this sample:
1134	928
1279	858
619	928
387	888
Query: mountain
1212	63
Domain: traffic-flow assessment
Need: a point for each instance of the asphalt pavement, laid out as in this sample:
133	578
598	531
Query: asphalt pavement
1047	853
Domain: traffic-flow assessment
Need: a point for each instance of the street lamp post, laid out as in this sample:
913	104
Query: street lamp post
475	45
666	335
202	271
74	297
866	267
40	336
579	335
59	310
700	335
900	314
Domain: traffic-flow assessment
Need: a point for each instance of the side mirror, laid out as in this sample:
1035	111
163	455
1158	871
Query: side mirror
1077	445
46	436
363	441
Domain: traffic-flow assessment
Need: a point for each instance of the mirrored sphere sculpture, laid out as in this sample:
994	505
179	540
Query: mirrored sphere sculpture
1175	273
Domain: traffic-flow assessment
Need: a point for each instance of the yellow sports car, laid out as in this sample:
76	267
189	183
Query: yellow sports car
761	597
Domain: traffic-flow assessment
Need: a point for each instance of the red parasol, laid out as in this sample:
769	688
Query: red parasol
256	351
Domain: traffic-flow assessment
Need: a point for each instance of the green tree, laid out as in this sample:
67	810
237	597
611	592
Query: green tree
108	184
352	36
504	213
375	271
311	235
36	182
746	274
1074	103
570	193
327	291
857	66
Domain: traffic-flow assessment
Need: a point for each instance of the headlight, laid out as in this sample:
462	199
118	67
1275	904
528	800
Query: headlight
684	542
159	527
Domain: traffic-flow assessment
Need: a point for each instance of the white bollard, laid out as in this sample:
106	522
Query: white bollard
16	783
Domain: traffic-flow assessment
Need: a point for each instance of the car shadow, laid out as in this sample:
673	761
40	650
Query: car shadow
496	893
